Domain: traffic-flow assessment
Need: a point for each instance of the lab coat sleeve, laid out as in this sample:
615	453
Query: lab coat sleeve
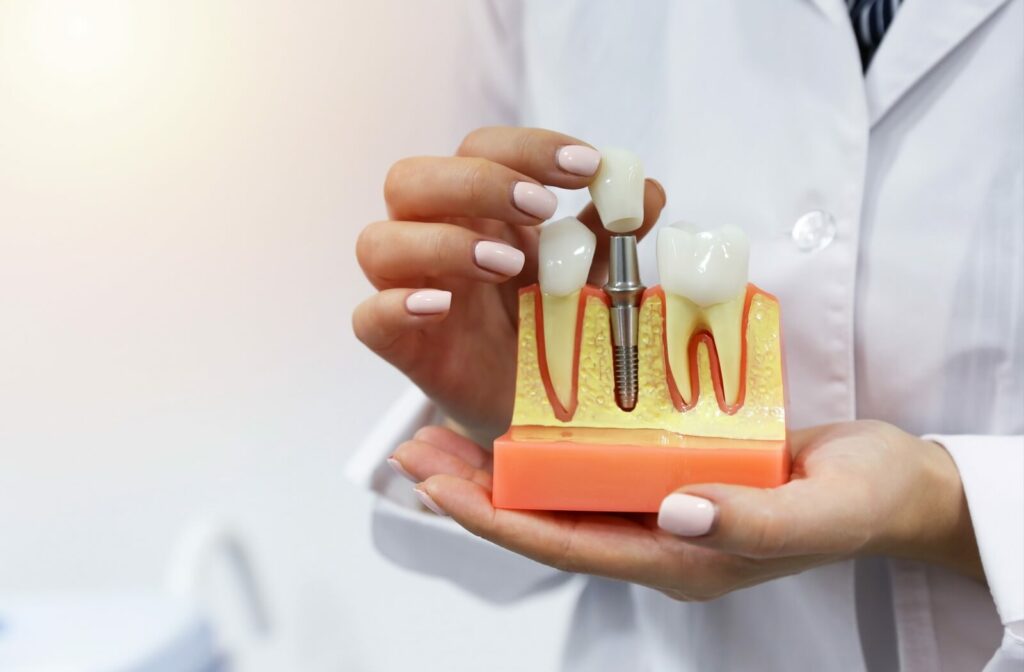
416	539
489	66
992	471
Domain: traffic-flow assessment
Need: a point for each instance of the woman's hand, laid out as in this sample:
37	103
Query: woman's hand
460	242
858	488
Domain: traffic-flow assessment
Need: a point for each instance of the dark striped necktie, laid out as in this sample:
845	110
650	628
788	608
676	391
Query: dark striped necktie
871	18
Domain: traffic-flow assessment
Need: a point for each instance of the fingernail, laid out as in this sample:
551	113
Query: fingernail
428	302
534	199
686	515
400	470
579	160
429	502
498	257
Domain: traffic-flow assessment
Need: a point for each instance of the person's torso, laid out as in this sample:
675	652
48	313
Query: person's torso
887	215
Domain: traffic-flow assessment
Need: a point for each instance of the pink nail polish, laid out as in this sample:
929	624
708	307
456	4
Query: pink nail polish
579	160
498	257
400	470
534	199
429	502
428	302
686	515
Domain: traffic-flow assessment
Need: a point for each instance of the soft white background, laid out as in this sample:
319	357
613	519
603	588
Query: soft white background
181	184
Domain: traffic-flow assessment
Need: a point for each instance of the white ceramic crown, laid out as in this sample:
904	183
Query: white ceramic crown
566	252
618	190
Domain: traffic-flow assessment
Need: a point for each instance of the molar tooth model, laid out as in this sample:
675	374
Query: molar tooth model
706	401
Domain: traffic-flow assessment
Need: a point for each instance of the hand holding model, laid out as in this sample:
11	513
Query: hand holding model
858	488
861	487
462	239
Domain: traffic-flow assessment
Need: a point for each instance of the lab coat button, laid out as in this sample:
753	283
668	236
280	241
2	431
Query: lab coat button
815	230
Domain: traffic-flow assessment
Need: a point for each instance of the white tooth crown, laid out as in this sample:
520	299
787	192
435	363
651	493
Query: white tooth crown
618	190
704	276
707	267
566	252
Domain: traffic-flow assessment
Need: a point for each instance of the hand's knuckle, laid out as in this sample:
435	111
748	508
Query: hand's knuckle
486	529
696	587
437	245
476	179
360	326
527	145
564	558
470	145
367	246
397	176
768	534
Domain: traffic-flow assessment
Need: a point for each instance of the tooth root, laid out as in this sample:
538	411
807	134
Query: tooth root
725	322
560	342
682	317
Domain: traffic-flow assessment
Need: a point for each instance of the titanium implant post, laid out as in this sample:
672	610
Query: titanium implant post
625	291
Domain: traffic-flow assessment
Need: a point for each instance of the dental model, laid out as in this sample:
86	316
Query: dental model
708	403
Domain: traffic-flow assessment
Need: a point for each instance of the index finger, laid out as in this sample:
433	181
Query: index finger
549	157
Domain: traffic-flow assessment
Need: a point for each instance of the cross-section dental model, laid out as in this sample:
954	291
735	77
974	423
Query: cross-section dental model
708	403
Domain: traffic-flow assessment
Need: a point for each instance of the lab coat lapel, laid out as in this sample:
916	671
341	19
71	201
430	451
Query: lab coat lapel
834	9
923	33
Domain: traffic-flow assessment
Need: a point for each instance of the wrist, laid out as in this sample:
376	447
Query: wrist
933	524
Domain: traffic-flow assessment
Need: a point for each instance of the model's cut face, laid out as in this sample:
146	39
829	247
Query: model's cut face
711	372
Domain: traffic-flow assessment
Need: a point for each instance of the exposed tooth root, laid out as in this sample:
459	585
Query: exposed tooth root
560	316
681	319
724	321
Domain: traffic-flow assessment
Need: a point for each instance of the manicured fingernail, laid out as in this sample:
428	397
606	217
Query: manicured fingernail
498	257
428	302
400	470
429	502
534	199
686	515
579	160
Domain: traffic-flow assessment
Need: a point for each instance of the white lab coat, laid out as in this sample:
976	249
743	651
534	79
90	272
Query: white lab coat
887	214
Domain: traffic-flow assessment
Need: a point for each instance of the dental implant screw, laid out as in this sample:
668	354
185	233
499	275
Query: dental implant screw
625	291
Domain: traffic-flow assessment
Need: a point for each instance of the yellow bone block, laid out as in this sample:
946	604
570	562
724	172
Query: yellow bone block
760	416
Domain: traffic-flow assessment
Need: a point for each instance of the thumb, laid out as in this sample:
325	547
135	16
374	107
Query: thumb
747	521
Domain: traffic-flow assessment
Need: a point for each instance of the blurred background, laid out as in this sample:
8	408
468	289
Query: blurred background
181	186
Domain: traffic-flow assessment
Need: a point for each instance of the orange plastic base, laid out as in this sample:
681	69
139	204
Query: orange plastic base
622	470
